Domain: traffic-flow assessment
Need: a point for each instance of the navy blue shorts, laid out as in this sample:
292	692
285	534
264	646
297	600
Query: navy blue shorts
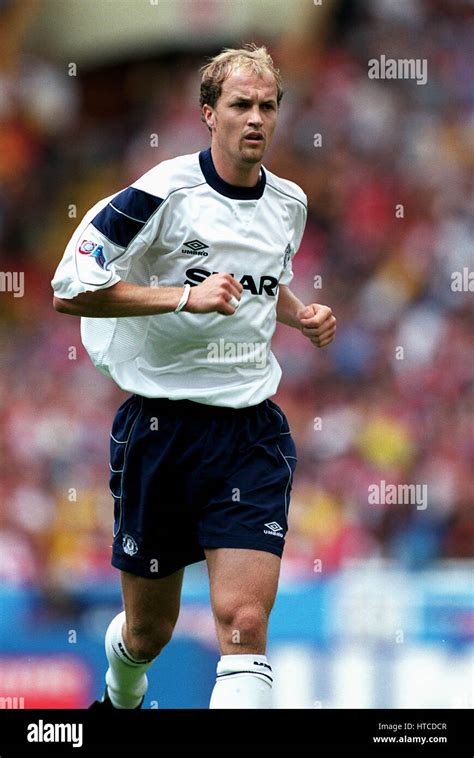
187	476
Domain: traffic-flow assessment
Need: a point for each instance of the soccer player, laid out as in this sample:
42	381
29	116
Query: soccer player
179	280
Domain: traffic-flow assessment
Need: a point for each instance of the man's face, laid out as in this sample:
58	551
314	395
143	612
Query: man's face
244	117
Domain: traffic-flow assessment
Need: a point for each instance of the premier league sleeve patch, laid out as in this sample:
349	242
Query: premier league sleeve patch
91	260
87	247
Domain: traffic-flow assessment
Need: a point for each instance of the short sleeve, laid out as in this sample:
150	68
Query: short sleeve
113	231
292	248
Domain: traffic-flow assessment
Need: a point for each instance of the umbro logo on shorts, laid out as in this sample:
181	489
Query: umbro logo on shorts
275	529
195	247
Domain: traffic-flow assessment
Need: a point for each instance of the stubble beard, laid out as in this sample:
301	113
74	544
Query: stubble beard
251	156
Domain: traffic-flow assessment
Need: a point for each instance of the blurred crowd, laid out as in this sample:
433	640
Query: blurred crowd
389	186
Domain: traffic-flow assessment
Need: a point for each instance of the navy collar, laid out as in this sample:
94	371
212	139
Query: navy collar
229	190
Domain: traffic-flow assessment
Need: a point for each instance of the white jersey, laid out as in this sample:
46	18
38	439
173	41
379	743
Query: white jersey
179	223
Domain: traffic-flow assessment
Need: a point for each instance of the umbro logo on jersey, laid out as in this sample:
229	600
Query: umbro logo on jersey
195	247
273	528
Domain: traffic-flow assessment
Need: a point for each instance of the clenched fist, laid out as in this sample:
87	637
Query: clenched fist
317	323
214	294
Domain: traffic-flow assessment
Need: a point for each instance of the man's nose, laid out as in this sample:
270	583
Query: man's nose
255	117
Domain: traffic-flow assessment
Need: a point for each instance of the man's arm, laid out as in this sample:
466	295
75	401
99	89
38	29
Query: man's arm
122	299
288	306
315	321
126	299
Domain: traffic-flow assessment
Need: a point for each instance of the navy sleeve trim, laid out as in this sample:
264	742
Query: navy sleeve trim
126	215
137	204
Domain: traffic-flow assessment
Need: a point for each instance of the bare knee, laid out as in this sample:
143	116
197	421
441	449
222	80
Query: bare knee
146	641
241	624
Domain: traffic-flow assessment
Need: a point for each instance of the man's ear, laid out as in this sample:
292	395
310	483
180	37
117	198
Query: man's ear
208	114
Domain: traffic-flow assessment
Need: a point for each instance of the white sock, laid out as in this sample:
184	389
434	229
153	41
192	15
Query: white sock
125	678
243	681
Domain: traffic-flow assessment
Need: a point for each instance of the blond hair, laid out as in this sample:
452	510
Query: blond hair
250	58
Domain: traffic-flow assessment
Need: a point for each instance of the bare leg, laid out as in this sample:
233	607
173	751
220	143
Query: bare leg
243	588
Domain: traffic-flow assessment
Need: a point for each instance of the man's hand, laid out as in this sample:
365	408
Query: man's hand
317	323
214	294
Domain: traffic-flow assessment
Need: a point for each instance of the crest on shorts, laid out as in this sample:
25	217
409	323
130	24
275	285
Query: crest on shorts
287	256
129	545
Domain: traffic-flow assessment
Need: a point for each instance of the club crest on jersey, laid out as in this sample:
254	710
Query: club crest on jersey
287	256
264	285
87	247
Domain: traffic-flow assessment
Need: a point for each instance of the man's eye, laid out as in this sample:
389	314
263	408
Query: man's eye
268	106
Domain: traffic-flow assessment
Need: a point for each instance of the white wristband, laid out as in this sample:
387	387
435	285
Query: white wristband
184	298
